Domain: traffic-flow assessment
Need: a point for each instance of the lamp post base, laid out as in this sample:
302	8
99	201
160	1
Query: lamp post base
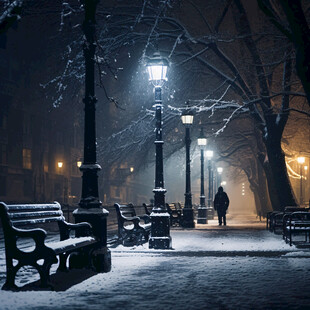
188	218
210	213
160	230
202	215
97	217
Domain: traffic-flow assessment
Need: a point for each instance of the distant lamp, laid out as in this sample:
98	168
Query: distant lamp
187	117
132	169
202	210
79	163
223	183
60	164
301	160
157	68
219	170
209	154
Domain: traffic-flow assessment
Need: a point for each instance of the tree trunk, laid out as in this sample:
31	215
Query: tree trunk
282	185
263	191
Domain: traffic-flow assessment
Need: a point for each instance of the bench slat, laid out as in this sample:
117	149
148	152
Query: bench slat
33	207
71	244
34	214
37	221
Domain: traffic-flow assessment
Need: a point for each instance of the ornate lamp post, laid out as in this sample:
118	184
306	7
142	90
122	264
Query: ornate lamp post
160	231
188	214
210	213
301	161
90	207
202	210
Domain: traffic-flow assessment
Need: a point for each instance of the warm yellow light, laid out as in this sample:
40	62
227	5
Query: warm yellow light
60	164
132	169
223	183
79	163
306	168
301	160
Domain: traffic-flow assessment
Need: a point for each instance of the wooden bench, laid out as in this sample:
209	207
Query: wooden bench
131	229
296	223
33	216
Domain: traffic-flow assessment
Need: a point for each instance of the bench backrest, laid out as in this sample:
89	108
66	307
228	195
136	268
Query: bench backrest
290	209
125	210
30	214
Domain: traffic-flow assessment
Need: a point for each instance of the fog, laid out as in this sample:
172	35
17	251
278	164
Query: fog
174	179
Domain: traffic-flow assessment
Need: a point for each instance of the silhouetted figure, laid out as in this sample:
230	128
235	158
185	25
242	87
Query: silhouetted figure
221	203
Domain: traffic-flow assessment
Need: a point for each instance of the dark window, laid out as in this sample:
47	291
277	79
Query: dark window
3	154
3	120
27	187
2	185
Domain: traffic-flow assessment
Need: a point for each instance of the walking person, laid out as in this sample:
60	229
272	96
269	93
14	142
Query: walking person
221	203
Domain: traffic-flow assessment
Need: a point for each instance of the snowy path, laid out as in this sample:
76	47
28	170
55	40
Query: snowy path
234	267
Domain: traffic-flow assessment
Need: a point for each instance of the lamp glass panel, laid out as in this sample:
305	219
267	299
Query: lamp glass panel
157	72
301	160
187	119
202	141
209	154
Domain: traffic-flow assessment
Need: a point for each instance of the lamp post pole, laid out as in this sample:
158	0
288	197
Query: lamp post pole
301	193
160	218
202	210
219	177
90	207
188	213
210	186
301	161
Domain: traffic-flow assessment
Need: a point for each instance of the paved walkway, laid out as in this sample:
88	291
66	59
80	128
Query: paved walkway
240	266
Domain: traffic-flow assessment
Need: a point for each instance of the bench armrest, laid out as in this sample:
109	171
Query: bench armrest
146	218
37	234
65	228
134	219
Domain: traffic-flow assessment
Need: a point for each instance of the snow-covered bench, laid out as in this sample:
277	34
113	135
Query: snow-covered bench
131	230
275	221
42	254
296	223
175	211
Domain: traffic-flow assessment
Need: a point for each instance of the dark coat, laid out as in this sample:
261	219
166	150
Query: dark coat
221	202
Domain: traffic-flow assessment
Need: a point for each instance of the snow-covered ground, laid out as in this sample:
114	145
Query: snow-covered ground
241	266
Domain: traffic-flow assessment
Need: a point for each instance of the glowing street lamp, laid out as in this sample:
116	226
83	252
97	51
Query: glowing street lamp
188	214
160	231
60	164
202	210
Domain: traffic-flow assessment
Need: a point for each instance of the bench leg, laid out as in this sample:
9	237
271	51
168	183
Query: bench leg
62	262
9	284
44	272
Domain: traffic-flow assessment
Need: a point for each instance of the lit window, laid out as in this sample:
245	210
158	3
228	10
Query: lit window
27	159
